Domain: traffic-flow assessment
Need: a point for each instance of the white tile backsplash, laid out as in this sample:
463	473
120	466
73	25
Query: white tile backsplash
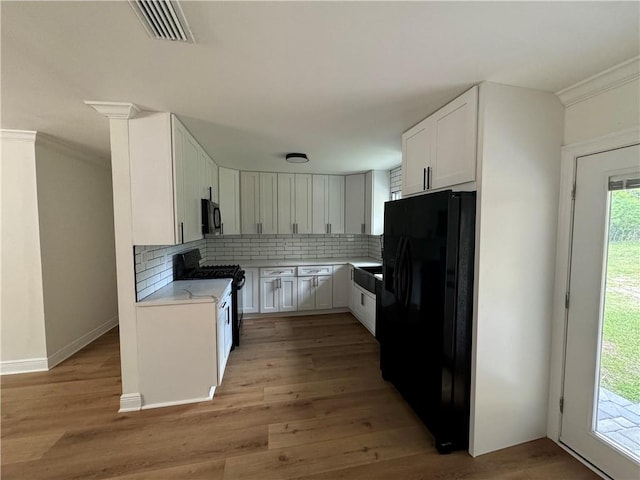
154	265
396	180
228	248
374	247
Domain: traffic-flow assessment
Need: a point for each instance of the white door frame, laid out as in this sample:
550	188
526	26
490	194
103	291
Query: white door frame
570	153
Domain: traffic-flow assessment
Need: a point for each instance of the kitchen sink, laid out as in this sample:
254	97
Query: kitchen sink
367	277
373	270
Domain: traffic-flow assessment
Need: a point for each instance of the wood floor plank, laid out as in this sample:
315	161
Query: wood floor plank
355	422
320	389
208	470
30	447
318	375
291	462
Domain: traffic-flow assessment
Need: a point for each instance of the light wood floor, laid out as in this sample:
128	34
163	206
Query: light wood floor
301	398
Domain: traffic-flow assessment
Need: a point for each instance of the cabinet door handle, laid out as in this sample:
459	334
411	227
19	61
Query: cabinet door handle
221	228
429	178
329	228
362	299
181	232
424	178
362	228
210	194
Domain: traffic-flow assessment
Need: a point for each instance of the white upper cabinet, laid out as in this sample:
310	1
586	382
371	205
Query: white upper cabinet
268	203
250	202
303	203
191	222
294	203
364	206
229	200
440	151
209	177
354	221
377	191
455	138
259	202
417	146
165	181
328	204
336	204
320	204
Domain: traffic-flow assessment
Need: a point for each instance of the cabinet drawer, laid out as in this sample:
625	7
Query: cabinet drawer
316	270
278	272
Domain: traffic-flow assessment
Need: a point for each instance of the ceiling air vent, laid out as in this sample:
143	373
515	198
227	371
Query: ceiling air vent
163	19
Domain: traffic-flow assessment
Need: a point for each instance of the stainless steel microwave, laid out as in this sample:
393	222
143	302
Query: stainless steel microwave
211	219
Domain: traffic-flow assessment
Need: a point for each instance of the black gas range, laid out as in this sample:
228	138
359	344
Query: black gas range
186	266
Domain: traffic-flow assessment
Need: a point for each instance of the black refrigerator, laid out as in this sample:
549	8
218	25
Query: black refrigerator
425	311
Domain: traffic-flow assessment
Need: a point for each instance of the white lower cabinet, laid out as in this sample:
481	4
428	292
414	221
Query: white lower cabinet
315	292
350	289
315	287
250	293
224	334
288	294
341	281
278	294
364	307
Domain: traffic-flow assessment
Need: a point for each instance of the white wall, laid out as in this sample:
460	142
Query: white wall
22	313
520	137
611	111
75	205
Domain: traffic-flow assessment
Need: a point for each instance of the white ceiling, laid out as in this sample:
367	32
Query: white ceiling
339	81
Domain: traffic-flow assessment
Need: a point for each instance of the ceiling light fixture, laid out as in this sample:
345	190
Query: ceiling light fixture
296	158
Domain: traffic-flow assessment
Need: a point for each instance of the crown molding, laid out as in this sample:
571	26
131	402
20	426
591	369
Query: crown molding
72	150
114	110
18	135
611	78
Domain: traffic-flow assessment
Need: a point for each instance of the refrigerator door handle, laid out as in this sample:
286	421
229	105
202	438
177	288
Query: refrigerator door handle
399	271
407	275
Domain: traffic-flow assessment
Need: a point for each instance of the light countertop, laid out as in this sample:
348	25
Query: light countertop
358	262
187	291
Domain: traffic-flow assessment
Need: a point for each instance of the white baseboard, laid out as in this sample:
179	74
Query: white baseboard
180	402
298	313
130	402
11	367
78	344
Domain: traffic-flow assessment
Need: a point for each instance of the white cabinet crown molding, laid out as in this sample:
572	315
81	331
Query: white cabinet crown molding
609	79
18	135
114	110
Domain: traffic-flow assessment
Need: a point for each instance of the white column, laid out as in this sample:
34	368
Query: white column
119	115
